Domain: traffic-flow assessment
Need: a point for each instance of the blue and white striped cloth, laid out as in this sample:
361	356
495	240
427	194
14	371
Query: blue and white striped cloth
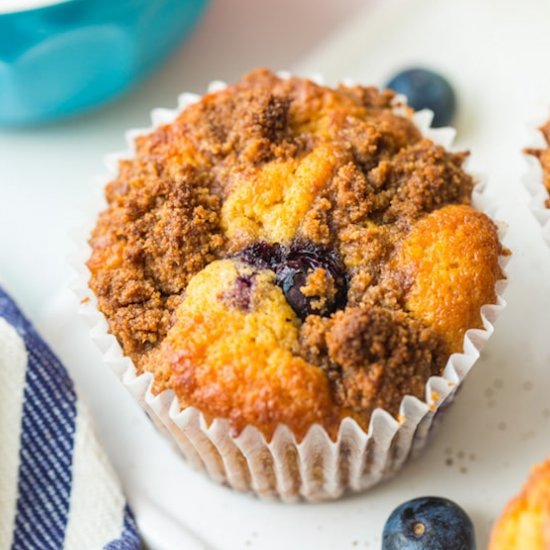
57	488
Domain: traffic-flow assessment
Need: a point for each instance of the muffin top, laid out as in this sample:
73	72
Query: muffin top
525	523
285	252
544	157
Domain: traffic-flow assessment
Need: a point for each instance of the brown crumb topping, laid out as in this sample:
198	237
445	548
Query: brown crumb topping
320	286
373	356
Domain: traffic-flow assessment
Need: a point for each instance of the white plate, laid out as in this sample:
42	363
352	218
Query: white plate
12	6
494	52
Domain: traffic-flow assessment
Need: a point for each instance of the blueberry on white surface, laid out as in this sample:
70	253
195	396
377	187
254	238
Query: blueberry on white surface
426	89
428	523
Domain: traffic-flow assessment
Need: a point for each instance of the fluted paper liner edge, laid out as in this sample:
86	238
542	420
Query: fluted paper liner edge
316	468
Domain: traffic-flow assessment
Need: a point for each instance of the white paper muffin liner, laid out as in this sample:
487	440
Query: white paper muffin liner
317	468
533	177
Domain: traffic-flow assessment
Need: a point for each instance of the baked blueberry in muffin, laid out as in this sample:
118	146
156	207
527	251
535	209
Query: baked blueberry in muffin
285	252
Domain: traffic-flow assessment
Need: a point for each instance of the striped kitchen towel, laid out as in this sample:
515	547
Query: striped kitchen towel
57	488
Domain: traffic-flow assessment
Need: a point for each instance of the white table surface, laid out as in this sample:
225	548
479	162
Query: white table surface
493	50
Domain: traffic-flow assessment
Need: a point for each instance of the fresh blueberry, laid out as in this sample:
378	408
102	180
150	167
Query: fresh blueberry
428	523
426	90
292	266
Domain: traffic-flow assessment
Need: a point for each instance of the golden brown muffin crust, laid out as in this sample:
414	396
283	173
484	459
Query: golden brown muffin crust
329	178
544	157
525	523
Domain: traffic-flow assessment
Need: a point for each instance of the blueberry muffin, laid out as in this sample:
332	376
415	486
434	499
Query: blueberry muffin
525	523
288	253
543	156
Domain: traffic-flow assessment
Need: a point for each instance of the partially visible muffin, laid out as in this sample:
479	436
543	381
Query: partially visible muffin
525	522
289	253
544	157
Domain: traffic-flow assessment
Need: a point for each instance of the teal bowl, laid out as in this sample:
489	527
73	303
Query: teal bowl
64	58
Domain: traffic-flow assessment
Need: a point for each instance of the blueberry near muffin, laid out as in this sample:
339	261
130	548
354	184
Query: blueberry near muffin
288	253
543	156
525	522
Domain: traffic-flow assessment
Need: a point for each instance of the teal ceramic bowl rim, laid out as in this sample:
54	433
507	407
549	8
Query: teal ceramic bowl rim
63	57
